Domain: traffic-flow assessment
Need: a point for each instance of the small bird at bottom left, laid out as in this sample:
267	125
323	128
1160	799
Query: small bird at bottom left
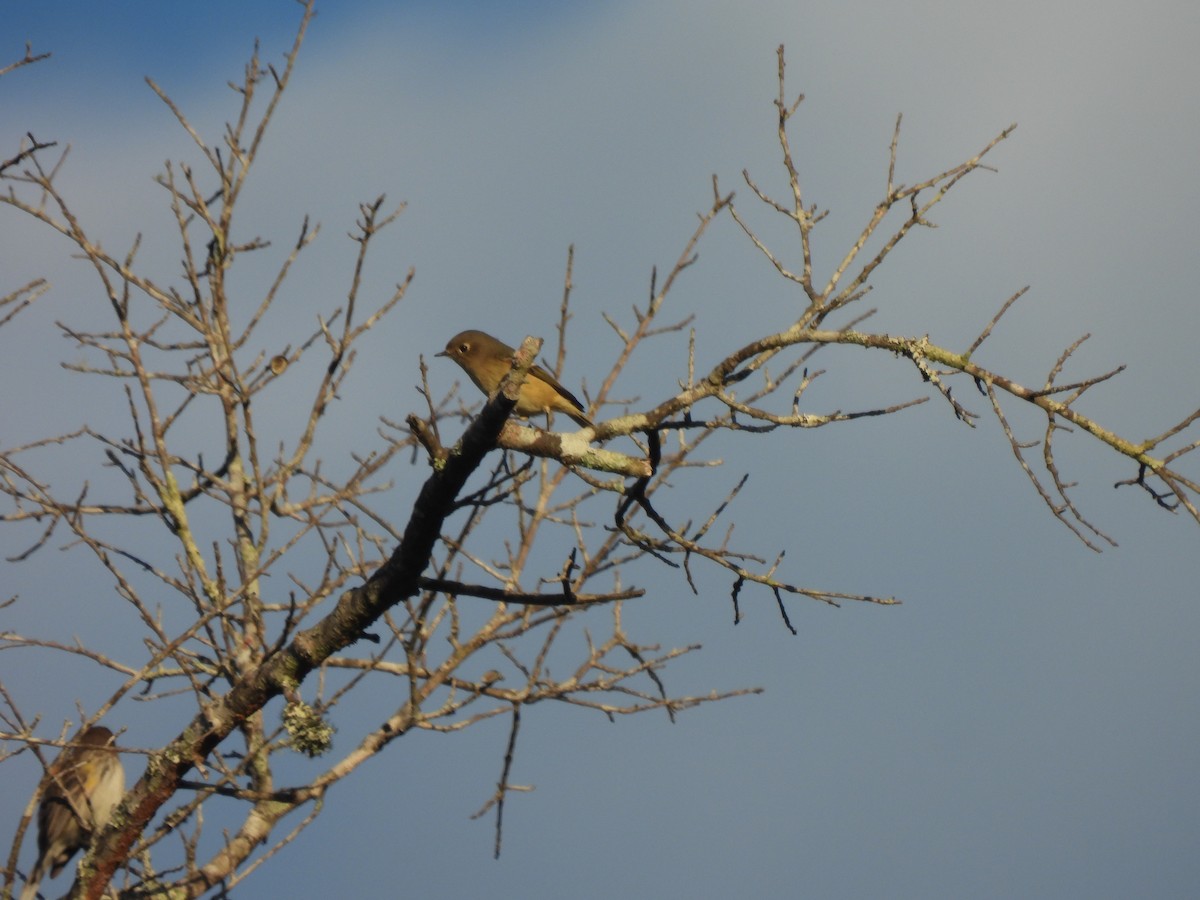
80	791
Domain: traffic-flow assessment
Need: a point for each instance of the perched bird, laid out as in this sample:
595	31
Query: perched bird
487	360
82	787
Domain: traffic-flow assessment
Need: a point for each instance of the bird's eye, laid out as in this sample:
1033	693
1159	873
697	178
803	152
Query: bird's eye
464	347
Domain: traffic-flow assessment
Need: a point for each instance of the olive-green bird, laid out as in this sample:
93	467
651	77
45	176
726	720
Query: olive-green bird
487	360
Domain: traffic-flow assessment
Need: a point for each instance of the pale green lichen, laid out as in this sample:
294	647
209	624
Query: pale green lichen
310	734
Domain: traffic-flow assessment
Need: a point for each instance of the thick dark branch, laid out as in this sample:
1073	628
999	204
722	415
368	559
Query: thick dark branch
356	610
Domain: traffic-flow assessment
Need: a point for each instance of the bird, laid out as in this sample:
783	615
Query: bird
82	788
487	360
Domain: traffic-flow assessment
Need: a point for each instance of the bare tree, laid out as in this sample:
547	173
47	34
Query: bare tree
186	356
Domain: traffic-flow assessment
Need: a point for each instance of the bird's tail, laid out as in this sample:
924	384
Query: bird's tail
581	419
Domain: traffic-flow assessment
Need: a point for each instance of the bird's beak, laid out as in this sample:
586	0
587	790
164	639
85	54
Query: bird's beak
441	353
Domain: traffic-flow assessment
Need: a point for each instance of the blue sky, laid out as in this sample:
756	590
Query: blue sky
1025	724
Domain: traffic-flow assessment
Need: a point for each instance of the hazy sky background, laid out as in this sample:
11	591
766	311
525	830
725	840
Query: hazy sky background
1026	724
